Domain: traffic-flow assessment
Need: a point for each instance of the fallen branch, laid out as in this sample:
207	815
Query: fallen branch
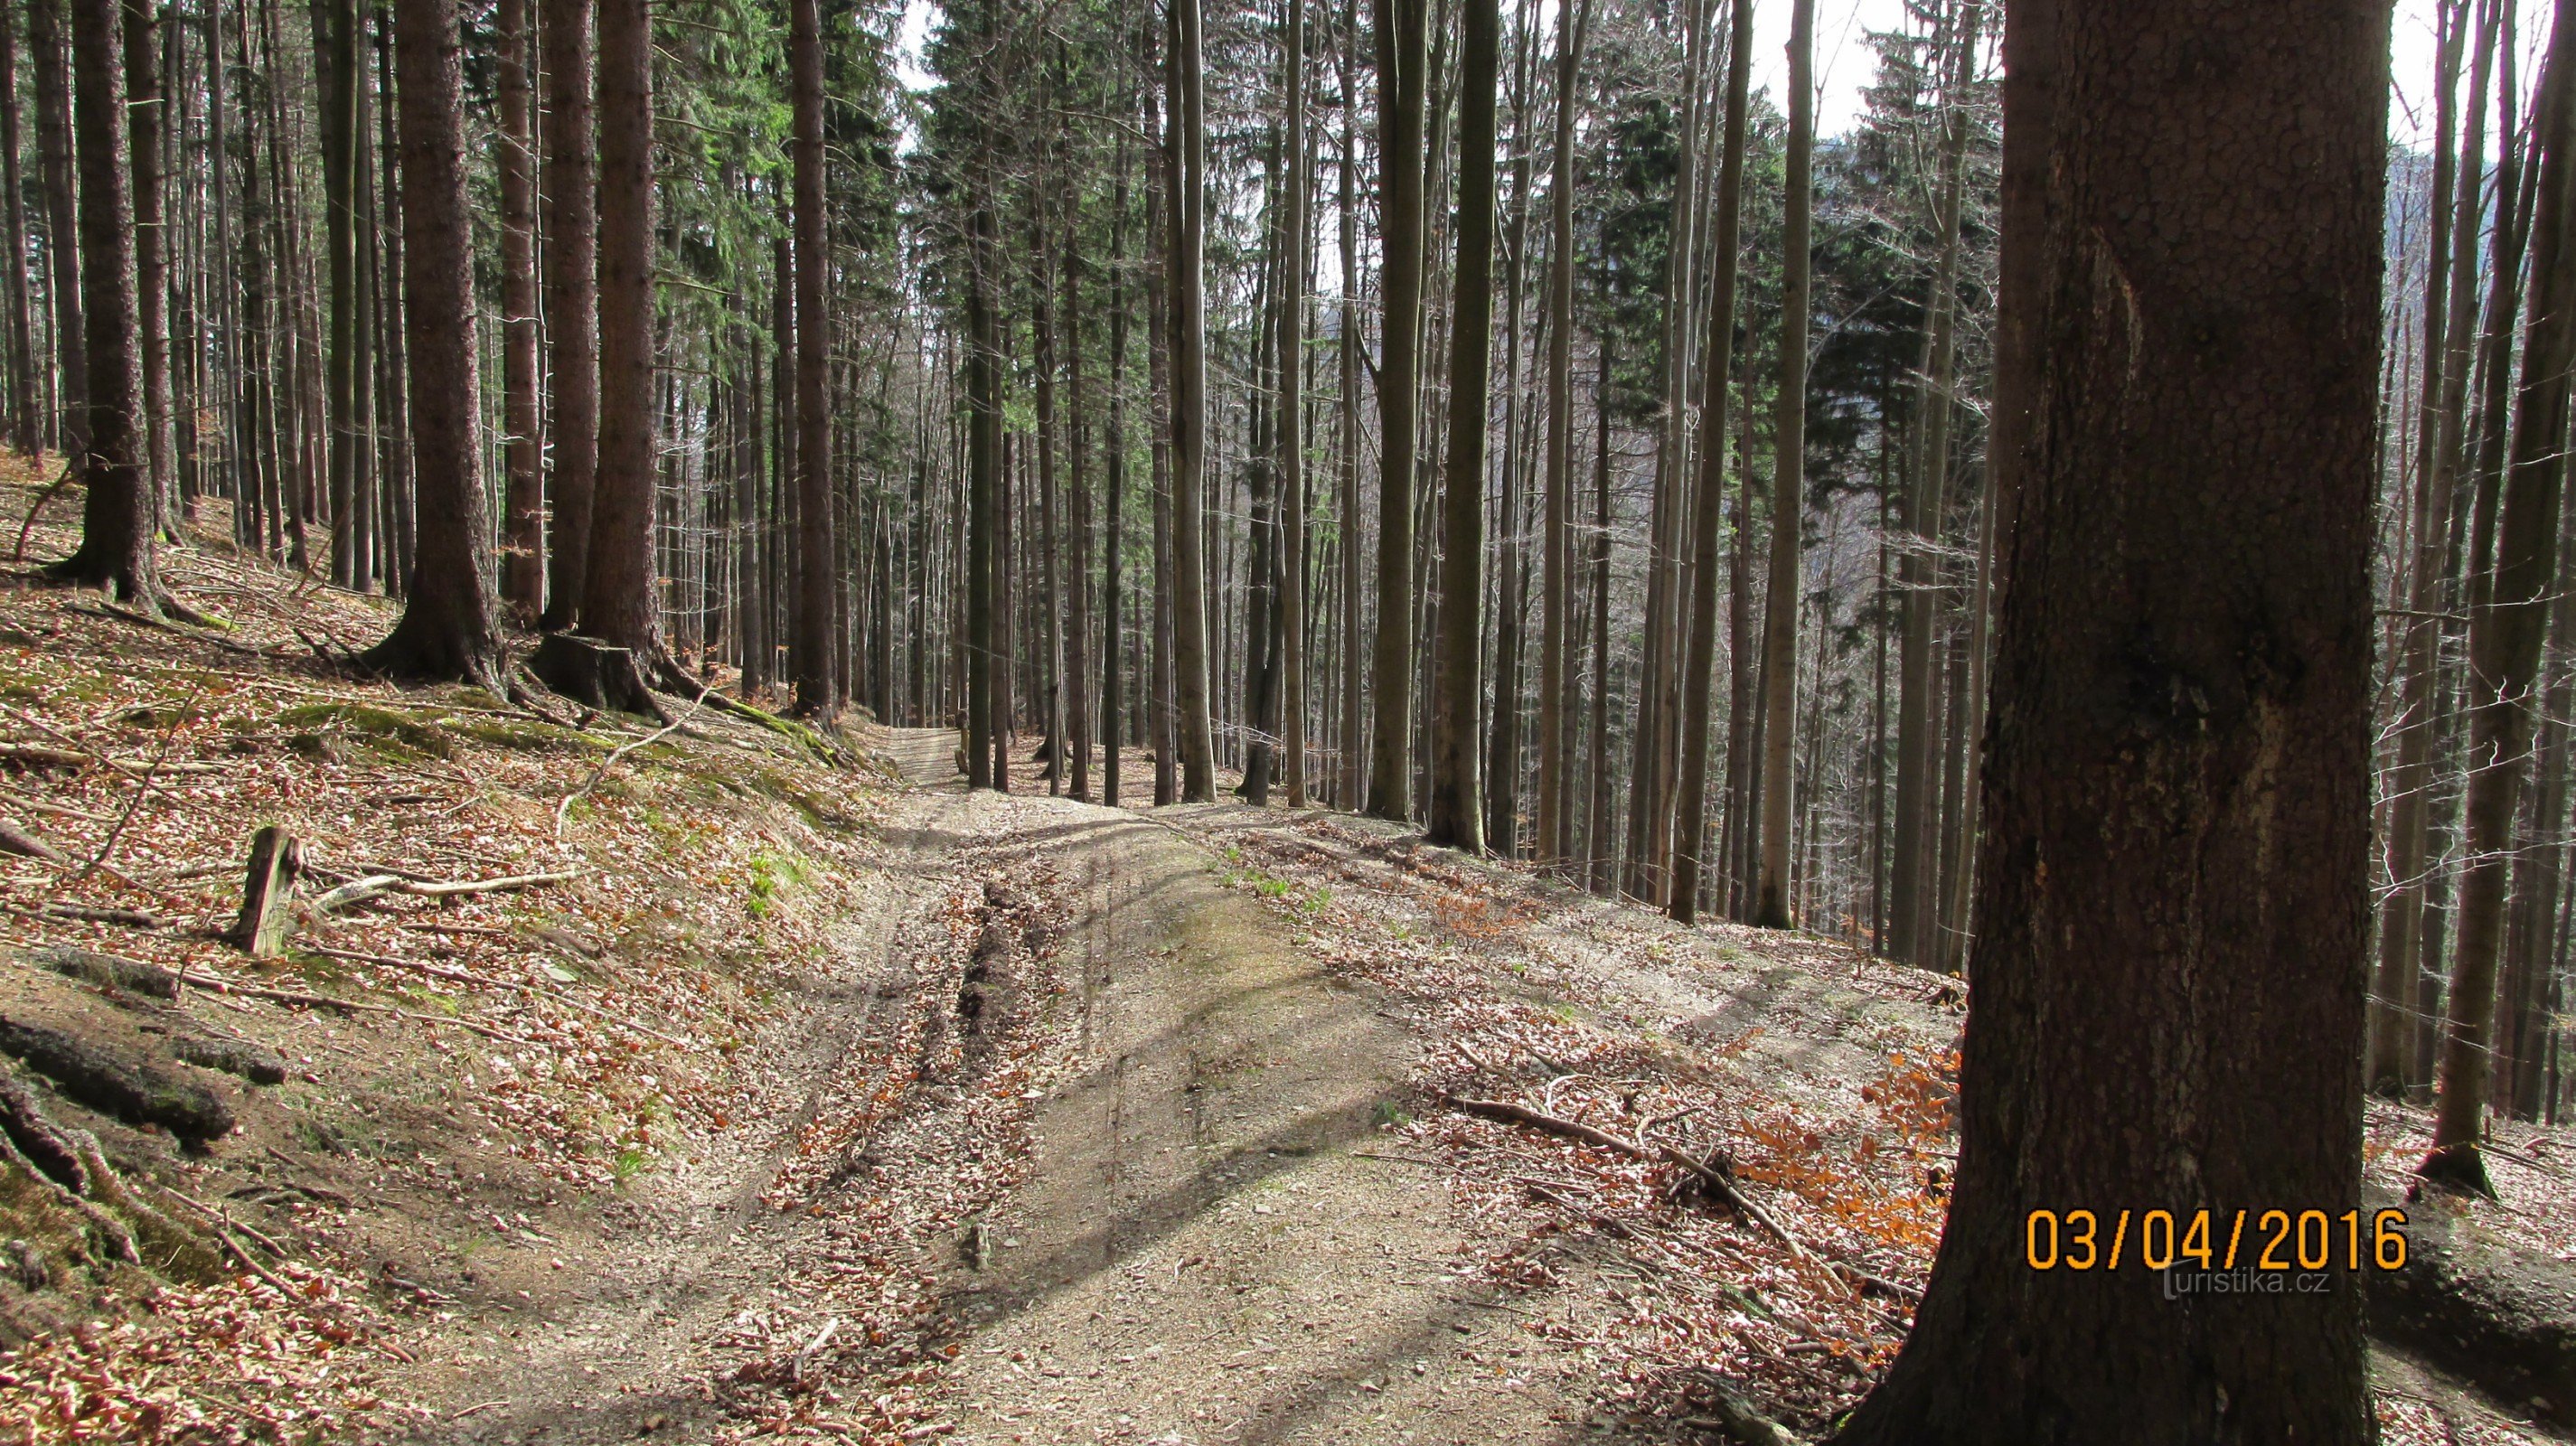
1708	1175
596	774
459	976
346	1006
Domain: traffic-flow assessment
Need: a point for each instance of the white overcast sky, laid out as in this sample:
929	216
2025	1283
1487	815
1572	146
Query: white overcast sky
1844	59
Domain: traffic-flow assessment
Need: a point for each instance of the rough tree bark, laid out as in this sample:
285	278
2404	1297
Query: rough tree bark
812	644
2165	998
619	606
448	627
116	550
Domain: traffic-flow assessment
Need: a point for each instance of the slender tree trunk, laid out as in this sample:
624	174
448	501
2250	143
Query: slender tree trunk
448	627
1917	806
1503	755
1604	858
571	199
523	529
62	223
1189	403
1077	638
1699	668
1350	777
26	424
1113	545
1401	63
1290	424
2166	1000
813	646
1456	805
2508	625
145	102
1555	557
1788	484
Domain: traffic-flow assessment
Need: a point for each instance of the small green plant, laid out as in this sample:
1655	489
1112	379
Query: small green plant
1391	1115
630	1162
769	873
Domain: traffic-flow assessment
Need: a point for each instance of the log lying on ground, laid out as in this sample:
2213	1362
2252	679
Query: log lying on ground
109	971
2501	1317
135	1091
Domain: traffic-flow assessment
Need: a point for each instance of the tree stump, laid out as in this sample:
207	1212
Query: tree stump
593	674
275	859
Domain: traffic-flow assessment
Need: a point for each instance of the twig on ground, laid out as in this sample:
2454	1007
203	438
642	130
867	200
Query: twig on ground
565	806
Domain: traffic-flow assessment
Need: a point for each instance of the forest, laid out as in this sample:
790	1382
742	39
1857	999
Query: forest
1197	720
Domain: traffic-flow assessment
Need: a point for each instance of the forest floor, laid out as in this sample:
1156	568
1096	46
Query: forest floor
784	1089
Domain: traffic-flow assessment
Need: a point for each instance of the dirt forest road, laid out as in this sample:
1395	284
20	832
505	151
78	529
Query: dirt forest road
1207	1248
1210	1239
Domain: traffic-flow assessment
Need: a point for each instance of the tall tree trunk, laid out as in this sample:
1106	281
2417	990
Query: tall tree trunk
1603	857
2410	782
1350	777
1788	483
1290	425
1076	691
145	101
1456	805
2166	999
1556	557
1503	755
570	190
1113	545
448	627
62	222
26	425
812	639
335	44
618	605
1699	667
116	550
2508	625
1189	402
1915	883
1401	62
523	528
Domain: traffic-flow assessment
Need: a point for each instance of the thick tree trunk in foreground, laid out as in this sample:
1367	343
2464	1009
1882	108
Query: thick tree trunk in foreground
2165	1005
812	642
116	550
448	628
618	602
1402	43
1788	487
1456	806
2508	625
571	300
1699	664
